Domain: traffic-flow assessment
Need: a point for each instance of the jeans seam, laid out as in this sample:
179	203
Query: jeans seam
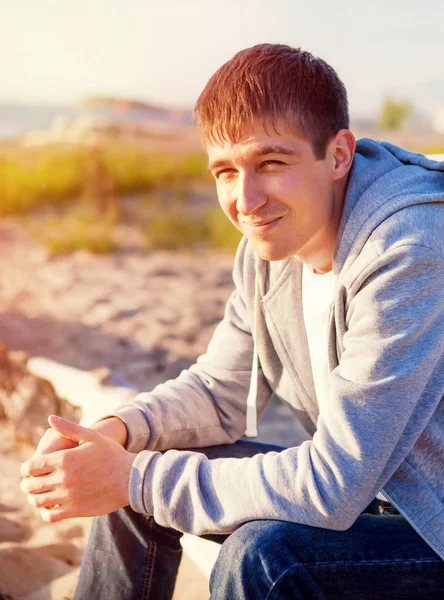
150	558
282	575
373	561
348	563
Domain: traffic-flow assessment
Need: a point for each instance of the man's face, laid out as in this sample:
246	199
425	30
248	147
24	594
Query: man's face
273	189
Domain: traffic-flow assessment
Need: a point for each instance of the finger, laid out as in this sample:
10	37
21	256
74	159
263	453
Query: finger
38	465
46	440
54	445
72	430
51	441
36	485
52	515
44	500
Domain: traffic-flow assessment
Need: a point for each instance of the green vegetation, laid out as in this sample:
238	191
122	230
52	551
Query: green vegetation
166	226
80	228
176	229
31	177
221	233
82	187
394	114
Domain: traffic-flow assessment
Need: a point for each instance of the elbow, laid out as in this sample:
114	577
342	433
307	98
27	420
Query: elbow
341	517
233	426
340	524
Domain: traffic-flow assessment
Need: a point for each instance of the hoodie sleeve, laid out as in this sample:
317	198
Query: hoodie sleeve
383	393
206	404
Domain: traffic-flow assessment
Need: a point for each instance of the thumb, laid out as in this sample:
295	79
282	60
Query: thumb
71	430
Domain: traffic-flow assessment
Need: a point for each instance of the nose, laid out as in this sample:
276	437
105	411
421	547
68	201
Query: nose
249	195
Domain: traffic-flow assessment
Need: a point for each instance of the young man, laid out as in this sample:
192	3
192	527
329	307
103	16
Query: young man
339	310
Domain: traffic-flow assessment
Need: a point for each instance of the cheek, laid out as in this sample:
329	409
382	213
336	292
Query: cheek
227	204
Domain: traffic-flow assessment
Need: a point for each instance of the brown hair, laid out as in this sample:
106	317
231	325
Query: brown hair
274	82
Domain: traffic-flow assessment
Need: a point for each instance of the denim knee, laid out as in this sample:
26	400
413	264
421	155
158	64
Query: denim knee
241	569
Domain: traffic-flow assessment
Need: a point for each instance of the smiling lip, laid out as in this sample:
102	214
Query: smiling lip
262	226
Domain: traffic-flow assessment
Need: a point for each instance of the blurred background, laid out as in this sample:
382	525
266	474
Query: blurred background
115	259
96	102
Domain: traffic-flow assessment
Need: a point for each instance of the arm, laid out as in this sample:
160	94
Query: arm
383	393
206	404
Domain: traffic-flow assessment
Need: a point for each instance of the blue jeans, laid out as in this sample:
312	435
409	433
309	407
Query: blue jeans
129	556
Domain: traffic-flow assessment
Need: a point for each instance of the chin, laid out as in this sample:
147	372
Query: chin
270	253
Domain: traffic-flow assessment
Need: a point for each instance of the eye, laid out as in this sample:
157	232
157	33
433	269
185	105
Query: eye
224	173
271	162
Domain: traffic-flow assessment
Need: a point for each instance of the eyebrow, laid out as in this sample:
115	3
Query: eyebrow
262	151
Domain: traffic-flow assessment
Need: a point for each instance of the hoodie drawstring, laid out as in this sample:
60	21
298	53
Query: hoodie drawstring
251	430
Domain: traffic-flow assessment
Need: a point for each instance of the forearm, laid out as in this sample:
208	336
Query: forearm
191	493
192	411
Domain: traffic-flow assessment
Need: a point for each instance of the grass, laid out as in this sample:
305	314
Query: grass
80	228
171	228
32	177
221	233
75	182
28	179
168	221
177	229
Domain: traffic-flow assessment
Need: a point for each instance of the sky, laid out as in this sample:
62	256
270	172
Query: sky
164	51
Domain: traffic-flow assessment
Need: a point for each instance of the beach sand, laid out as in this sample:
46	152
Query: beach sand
145	316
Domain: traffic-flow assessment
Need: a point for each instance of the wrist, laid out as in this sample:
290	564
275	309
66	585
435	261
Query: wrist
114	428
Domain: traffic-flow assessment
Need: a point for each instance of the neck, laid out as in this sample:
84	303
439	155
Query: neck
320	255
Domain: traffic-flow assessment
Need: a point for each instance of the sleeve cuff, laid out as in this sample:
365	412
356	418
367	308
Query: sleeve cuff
141	482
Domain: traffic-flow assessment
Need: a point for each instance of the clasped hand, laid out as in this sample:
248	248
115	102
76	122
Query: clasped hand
76	472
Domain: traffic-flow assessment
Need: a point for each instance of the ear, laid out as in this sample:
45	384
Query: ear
342	149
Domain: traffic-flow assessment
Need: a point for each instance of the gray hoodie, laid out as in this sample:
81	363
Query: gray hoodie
381	426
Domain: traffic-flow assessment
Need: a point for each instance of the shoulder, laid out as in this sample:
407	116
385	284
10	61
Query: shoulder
411	235
412	227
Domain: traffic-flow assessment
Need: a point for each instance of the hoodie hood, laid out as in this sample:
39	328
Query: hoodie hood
384	179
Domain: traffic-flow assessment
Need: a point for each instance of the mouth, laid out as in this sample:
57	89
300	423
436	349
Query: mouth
261	226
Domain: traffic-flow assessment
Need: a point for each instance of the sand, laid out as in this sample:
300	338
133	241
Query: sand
145	316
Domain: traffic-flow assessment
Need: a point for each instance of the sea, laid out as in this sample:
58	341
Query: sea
16	119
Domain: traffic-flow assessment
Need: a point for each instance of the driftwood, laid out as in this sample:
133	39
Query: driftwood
32	388
27	400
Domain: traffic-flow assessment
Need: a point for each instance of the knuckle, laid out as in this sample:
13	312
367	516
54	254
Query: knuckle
38	485
39	501
24	469
32	499
34	468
